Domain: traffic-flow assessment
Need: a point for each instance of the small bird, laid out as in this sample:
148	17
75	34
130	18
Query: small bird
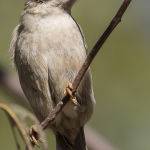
48	50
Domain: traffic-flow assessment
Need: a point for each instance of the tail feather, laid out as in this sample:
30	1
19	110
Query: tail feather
63	143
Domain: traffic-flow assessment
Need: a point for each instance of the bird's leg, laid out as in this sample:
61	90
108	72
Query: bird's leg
69	91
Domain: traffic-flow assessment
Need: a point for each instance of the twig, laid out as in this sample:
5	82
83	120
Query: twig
20	128
115	21
12	125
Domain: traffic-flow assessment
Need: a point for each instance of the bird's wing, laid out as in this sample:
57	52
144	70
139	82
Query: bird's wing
13	42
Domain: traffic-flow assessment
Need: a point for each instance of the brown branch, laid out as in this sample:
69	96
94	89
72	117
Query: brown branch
19	126
115	21
12	126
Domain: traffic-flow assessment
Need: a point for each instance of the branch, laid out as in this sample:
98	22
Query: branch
21	119
18	124
115	21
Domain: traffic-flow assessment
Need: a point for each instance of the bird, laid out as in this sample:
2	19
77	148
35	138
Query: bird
48	49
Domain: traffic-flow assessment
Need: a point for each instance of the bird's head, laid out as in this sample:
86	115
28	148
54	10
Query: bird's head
66	4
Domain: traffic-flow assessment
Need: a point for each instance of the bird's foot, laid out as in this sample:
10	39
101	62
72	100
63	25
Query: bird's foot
34	135
69	91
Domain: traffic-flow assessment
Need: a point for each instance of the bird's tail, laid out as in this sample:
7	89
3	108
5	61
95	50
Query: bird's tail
63	143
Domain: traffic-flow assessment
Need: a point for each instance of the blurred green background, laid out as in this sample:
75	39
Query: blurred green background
121	72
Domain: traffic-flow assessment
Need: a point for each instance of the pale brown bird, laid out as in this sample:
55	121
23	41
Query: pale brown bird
48	50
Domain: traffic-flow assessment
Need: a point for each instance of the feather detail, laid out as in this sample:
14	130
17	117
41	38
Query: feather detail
13	43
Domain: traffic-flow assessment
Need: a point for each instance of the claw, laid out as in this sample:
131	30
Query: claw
70	86
34	136
34	141
68	91
74	100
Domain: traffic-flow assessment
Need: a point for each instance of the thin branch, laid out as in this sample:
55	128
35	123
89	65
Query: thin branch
115	21
19	126
12	126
